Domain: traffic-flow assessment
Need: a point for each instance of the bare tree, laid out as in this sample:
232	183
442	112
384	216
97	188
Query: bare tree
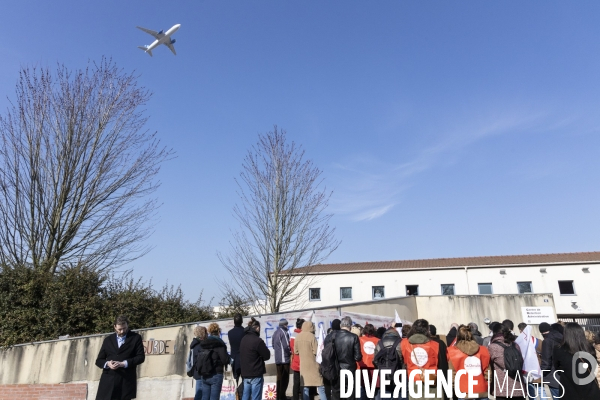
77	169
284	230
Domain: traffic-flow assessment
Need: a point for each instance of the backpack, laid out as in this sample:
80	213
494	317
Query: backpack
388	358
189	364
330	368
204	362
513	359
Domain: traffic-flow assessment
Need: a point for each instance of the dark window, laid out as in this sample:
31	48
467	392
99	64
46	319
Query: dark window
412	290
378	292
448	290
566	287
524	287
345	293
314	294
485	288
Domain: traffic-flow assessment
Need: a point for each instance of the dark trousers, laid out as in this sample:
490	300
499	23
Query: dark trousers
336	390
296	389
283	380
328	388
240	389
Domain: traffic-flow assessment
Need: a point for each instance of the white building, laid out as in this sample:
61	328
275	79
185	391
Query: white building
572	278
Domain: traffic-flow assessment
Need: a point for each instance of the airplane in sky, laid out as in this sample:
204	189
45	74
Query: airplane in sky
161	38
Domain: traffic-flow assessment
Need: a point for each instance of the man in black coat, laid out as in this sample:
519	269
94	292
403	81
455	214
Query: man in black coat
235	336
347	348
553	338
120	354
253	354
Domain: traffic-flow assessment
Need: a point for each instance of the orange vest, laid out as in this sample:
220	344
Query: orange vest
420	356
367	348
475	364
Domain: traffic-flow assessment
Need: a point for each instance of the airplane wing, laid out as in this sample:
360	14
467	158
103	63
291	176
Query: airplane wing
157	35
171	47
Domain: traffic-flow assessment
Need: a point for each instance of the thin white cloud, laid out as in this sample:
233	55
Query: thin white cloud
368	188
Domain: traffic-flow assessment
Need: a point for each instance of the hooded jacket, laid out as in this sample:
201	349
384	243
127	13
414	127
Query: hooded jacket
219	356
427	356
472	349
387	340
253	354
305	346
295	365
553	339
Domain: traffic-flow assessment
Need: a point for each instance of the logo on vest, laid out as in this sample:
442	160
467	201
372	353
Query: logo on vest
369	347
419	356
473	366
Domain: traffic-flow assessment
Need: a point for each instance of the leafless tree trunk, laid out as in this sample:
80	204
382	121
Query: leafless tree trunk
77	169
284	229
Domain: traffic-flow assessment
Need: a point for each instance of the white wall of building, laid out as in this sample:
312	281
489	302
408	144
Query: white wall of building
586	284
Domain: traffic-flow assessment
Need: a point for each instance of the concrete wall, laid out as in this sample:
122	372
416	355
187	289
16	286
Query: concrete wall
162	375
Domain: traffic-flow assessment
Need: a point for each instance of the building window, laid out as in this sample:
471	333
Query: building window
448	290
412	290
314	294
485	288
345	293
378	292
566	287
524	287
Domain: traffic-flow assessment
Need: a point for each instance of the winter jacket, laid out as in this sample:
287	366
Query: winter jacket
295	365
387	340
281	346
347	347
502	387
553	339
472	349
219	356
253	354
305	346
563	361
195	347
235	336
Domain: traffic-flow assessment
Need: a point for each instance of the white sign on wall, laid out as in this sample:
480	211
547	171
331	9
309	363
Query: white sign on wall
537	315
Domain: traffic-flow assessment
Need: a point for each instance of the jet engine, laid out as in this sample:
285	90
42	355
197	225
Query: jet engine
161	32
172	41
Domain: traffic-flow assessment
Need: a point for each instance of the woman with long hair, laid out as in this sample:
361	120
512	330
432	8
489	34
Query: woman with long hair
571	360
468	355
505	386
215	359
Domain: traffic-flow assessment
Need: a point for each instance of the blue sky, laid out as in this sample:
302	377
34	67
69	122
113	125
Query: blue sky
444	129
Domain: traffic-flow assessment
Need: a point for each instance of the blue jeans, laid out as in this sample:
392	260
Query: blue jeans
211	387
534	391
556	393
320	390
253	388
198	395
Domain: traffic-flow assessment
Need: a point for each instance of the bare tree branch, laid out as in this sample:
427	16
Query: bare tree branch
284	229
77	169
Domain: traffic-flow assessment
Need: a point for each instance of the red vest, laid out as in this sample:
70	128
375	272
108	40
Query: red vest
475	364
420	356
296	360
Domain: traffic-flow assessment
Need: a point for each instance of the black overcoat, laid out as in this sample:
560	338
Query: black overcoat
120	383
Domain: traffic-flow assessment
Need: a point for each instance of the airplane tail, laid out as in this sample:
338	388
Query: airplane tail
145	49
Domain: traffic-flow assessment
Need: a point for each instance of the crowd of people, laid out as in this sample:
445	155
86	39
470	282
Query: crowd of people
416	347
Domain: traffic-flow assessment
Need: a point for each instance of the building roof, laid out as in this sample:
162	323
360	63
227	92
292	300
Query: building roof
448	263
